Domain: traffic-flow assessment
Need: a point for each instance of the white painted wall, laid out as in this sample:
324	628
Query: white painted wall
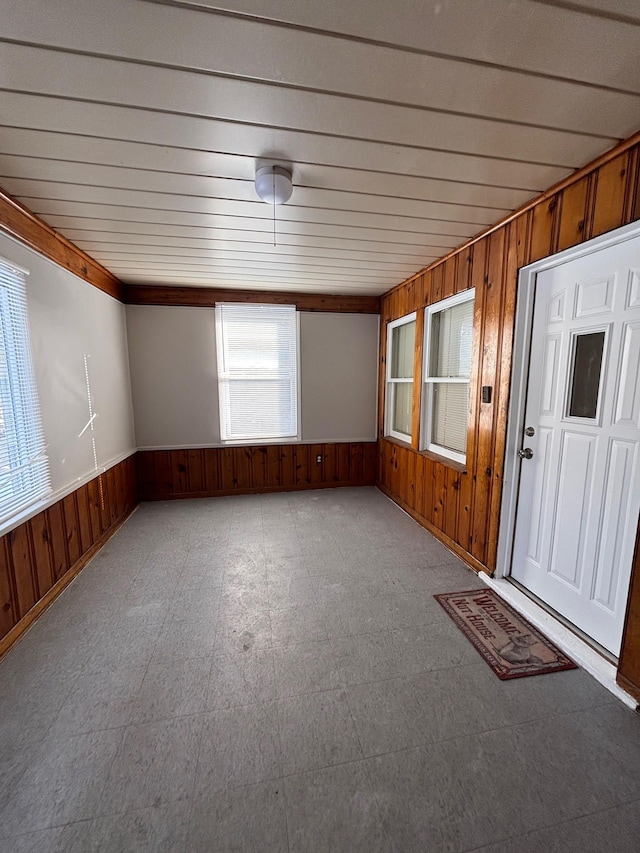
172	354
339	376
70	319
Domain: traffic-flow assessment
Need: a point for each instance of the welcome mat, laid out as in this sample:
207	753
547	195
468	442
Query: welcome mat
510	645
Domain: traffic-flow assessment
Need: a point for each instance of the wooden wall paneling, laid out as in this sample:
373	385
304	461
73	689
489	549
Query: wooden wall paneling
408	296
227	472
419	483
345	474
463	269
543	229
241	467
592	201
24	578
43	564
472	259
357	462
70	520
93	491
162	470
395	478
213	472
382	373
8	608
390	463
486	376
439	494
196	477
629	666
574	214
330	463
416	406
410	490
84	517
370	461
419	292
274	467
632	189
449	276
316	469
610	194
120	494
258	463
179	477
508	286
429	490
478	274
39	557
465	505
105	501
303	468
288	464
452	500
103	494
144	469
55	524
437	284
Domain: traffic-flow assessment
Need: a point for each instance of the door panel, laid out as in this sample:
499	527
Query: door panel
579	495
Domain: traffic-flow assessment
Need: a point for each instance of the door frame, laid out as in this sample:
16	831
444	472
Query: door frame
525	299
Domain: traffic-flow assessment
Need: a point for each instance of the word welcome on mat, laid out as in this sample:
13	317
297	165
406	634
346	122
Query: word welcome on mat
510	645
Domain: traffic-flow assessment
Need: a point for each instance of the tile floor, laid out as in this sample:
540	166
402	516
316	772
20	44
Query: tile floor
271	673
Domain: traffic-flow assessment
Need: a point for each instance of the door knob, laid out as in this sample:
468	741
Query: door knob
525	453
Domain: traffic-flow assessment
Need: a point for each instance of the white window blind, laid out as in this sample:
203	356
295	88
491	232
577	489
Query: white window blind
257	348
449	332
400	354
24	467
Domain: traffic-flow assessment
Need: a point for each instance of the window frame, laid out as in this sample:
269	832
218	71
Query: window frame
429	382
28	463
391	382
280	439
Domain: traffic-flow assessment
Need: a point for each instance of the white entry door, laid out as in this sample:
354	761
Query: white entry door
579	494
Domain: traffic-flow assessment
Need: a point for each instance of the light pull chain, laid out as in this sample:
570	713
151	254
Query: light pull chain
273	178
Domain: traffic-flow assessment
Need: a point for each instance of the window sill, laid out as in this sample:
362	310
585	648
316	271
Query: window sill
429	454
393	440
461	467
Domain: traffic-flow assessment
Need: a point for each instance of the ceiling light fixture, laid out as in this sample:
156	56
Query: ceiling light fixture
274	185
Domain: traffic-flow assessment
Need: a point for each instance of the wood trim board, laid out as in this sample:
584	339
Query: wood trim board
18	222
208	297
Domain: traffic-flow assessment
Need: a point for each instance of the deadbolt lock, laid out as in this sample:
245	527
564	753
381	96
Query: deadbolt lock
530	431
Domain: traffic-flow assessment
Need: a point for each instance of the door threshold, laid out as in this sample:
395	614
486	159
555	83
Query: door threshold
578	649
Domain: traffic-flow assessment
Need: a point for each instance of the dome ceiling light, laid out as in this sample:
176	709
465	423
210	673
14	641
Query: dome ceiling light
274	185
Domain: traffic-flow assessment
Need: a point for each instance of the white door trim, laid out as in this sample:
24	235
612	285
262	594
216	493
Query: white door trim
520	373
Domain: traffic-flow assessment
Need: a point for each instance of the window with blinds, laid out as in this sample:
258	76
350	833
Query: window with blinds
448	343
24	467
401	338
257	347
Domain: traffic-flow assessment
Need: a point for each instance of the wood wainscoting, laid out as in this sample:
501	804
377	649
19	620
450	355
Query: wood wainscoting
41	556
463	506
628	676
214	471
